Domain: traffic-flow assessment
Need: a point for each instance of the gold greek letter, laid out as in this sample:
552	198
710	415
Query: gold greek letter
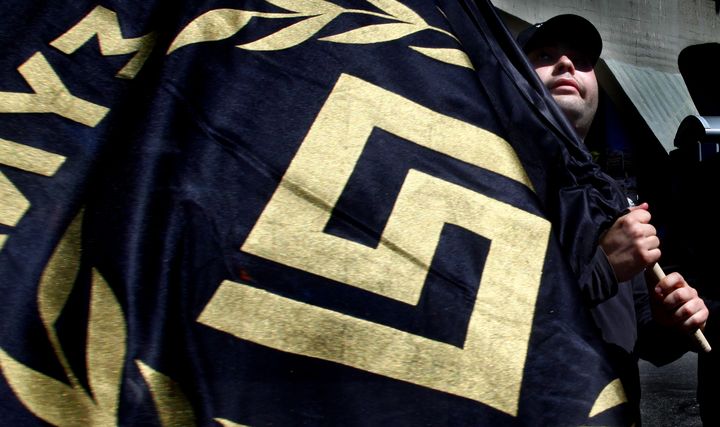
14	204
105	24
51	95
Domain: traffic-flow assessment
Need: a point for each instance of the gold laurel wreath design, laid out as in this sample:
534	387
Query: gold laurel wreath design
219	24
70	404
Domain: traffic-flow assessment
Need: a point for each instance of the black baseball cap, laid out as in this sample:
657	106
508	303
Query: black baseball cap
573	30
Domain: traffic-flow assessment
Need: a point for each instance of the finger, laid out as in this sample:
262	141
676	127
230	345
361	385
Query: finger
639	229
639	215
650	231
646	256
652	256
649	243
696	321
689	315
643	206
671	282
683	300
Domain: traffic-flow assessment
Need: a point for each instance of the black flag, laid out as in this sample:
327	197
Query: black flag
291	212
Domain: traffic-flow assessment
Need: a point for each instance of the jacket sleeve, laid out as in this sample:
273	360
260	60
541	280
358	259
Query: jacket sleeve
600	284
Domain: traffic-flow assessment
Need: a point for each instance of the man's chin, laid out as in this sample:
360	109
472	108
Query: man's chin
570	100
577	111
573	105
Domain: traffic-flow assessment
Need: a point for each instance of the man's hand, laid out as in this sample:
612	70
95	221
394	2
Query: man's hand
631	243
676	304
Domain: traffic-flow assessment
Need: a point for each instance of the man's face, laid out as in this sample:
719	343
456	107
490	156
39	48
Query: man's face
570	77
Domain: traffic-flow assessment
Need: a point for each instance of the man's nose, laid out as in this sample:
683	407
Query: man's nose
564	63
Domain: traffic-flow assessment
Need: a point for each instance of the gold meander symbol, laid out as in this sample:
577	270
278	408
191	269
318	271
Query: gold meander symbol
488	367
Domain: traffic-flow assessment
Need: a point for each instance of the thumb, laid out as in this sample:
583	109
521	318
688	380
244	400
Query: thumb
644	206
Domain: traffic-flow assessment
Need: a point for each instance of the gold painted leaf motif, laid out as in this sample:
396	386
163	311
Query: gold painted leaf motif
172	405
55	286
374	33
47	398
221	24
611	396
214	25
106	344
228	423
448	56
292	35
307	7
399	11
62	404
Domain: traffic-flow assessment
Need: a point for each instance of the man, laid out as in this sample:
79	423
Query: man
636	323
